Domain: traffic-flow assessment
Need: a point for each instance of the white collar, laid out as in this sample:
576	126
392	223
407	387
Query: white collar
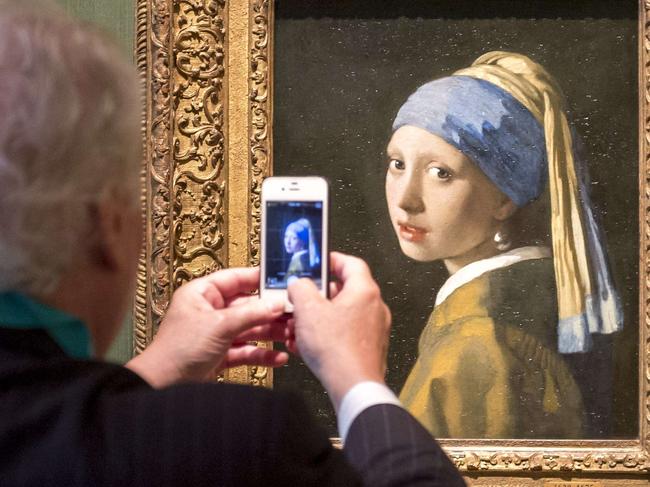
478	268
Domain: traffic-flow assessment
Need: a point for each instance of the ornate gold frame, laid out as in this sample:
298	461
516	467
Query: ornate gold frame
207	145
206	69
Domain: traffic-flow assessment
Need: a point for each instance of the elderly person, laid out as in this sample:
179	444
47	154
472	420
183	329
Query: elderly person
69	241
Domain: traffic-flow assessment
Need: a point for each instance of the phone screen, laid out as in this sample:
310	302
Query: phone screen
294	233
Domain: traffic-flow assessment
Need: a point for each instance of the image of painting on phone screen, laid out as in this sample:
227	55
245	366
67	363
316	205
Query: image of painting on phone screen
294	235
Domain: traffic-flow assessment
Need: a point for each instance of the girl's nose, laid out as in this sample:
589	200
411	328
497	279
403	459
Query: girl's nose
411	198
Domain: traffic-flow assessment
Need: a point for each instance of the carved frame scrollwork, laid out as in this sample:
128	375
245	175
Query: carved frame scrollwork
180	52
199	190
206	68
260	112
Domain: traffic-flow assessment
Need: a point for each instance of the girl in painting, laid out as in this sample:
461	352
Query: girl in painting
299	242
513	345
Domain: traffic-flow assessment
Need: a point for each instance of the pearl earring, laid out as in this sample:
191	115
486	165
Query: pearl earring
502	241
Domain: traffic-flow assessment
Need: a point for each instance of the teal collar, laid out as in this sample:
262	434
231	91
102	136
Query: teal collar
18	311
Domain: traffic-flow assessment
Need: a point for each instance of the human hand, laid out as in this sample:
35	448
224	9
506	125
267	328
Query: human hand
343	341
207	327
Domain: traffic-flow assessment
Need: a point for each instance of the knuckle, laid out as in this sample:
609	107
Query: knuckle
372	292
388	317
181	290
219	320
362	264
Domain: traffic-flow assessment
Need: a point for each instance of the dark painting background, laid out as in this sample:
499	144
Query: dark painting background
343	68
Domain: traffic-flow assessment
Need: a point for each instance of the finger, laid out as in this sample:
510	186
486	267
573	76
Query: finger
303	293
355	277
246	299
335	288
235	320
290	344
290	329
290	336
241	299
226	283
276	331
347	267
252	355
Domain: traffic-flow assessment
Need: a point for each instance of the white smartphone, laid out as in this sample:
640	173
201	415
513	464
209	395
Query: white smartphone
294	235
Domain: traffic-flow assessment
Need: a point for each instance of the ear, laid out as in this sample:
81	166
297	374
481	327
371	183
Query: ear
111	227
505	209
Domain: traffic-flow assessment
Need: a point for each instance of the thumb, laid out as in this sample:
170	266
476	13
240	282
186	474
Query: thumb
238	319
302	292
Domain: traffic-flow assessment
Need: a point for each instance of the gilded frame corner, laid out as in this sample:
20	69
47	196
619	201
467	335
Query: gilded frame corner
206	69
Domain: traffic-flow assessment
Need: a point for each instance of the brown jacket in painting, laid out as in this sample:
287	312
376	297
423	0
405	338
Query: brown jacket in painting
488	365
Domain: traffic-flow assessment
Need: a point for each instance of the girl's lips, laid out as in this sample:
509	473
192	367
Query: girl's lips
410	233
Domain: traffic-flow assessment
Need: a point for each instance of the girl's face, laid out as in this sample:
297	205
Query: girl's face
441	204
292	243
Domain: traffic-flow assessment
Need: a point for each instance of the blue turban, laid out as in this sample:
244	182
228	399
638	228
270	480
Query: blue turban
487	124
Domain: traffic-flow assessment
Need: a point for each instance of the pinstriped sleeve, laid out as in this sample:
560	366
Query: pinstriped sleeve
390	448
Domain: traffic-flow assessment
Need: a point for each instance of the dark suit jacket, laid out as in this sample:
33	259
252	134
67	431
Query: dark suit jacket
66	422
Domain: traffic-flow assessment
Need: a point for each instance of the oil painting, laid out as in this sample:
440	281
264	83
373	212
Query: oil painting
484	161
519	290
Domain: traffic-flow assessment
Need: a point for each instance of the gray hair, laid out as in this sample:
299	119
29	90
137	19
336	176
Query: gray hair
69	138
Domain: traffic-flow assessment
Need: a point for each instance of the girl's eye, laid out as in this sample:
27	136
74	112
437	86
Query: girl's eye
439	172
396	164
